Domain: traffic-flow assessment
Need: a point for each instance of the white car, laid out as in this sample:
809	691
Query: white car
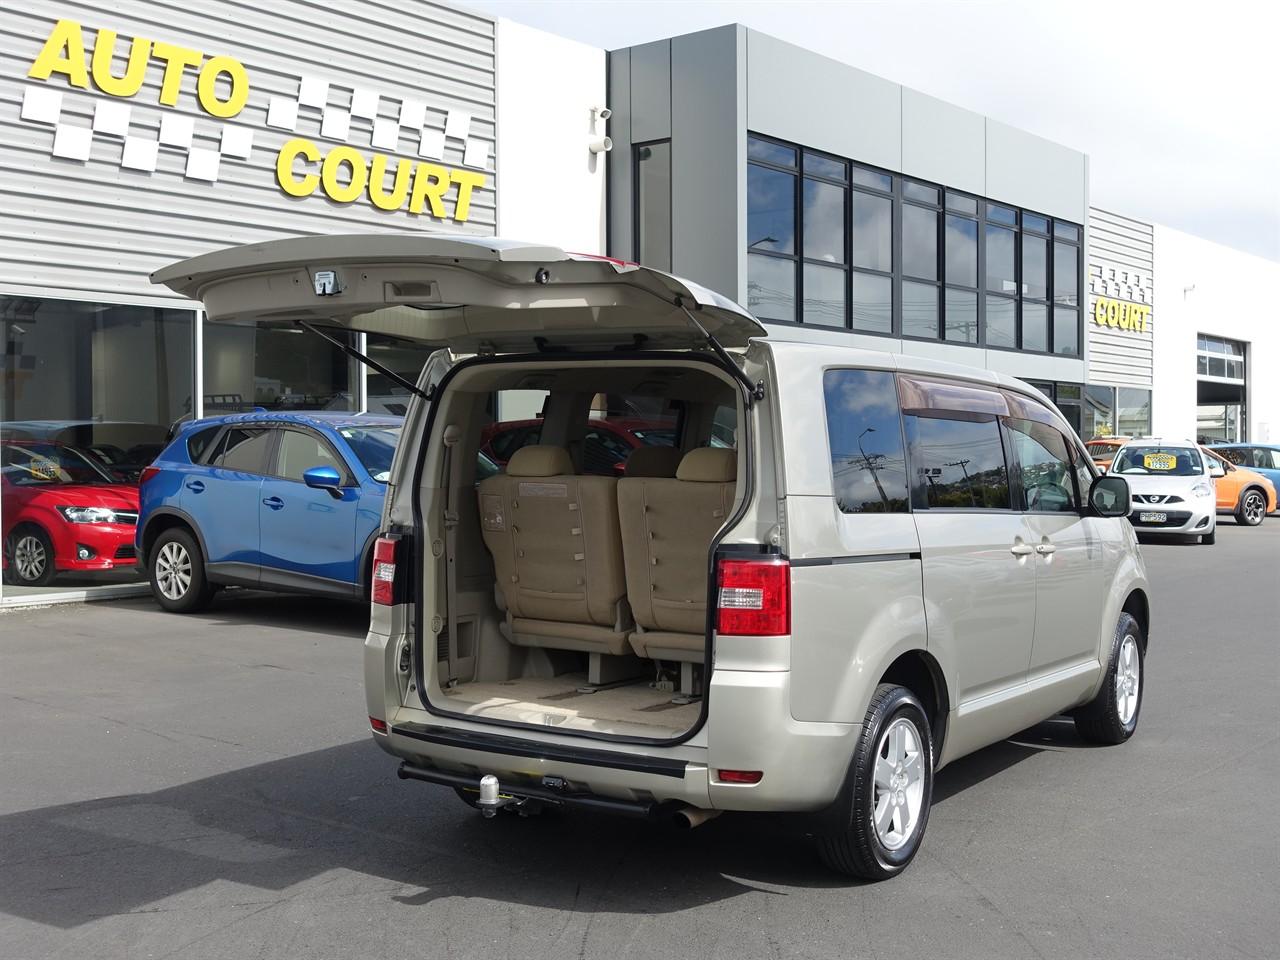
1171	485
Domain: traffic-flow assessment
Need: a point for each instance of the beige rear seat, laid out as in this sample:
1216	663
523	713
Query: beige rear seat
557	553
667	526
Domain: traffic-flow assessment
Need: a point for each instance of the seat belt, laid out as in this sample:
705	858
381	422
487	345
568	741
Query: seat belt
451	437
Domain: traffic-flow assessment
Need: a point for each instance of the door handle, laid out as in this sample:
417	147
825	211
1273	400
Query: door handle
195	486
275	503
1045	548
1020	549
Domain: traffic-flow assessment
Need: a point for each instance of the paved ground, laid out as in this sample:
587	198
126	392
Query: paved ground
203	787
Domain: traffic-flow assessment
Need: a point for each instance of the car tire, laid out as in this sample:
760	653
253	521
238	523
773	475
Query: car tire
176	568
29	555
1252	507
1112	716
1210	538
892	776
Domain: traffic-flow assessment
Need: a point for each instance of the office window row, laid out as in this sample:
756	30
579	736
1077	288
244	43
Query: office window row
836	244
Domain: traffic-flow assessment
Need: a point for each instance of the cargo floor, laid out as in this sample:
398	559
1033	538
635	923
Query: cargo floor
635	709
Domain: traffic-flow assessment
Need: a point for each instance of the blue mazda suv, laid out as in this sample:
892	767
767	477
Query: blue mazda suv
276	501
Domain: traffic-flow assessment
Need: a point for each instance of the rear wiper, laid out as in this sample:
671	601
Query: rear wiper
755	391
368	361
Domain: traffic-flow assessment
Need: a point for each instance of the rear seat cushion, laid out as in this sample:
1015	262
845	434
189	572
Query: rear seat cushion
557	549
653	462
667	526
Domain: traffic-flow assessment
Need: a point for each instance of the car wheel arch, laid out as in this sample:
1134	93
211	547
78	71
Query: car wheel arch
919	671
1137	605
166	519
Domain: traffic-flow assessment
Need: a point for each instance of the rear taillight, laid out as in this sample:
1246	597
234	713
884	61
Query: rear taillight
739	776
147	474
378	725
384	571
753	598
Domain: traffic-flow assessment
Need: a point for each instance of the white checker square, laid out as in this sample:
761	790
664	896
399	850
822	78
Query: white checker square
413	114
237	142
335	123
72	143
431	144
282	113
386	134
140	154
177	130
476	154
41	104
202	164
111	117
364	103
313	92
458	126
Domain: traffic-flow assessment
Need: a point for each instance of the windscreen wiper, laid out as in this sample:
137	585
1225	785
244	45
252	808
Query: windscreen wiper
368	361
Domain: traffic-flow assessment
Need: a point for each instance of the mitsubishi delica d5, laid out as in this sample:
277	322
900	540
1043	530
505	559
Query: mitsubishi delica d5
819	575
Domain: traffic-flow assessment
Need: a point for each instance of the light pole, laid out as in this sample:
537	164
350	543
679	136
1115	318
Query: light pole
870	463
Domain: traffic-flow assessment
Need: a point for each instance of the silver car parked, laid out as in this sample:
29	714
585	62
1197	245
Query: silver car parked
837	571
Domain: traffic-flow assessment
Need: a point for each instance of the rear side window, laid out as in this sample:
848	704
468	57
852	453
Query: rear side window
957	463
244	449
864	434
1044	464
198	443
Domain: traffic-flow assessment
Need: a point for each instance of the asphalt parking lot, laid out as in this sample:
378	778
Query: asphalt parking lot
204	787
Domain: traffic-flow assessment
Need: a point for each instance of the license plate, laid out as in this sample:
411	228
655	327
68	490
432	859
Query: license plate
1151	517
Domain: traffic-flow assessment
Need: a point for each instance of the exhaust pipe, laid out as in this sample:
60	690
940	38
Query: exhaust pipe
686	818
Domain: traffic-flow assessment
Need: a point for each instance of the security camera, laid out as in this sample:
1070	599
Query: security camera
602	145
602	113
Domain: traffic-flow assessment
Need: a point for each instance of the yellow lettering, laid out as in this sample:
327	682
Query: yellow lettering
207	86
63	52
1113	313
1146	313
1100	311
430	181
302	186
1126	316
334	187
104	50
176	60
378	178
466	180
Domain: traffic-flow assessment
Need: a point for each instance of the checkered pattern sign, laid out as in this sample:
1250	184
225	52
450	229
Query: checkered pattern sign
401	120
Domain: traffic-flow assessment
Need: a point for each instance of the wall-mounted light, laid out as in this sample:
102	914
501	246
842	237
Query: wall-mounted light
600	145
601	113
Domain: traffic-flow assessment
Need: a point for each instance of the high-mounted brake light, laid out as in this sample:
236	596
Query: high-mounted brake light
384	572
147	474
753	598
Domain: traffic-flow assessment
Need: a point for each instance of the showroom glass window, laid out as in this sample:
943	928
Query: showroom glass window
247	366
653	204
921	272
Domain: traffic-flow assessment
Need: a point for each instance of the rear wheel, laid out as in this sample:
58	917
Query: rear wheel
892	789
30	554
1112	716
178	579
1252	507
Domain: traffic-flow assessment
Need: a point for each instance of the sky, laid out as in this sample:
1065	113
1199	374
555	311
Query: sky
1177	104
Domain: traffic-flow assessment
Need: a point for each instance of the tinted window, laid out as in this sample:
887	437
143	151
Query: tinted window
602	451
375	446
872	302
244	449
823	221
919	242
919	309
872	232
961	245
299	452
507	442
771	287
1066	282
1035	326
1045	464
771	210
957	463
199	442
1159	461
918	191
1035	267
963	204
37	464
770	152
962	316
868	469
824	295
824	166
1000	260
870	178
1002	322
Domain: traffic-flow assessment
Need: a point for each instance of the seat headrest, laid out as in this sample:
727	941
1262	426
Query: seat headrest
709	465
653	462
540	460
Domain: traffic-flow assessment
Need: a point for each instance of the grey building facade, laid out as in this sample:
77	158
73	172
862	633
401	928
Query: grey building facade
842	207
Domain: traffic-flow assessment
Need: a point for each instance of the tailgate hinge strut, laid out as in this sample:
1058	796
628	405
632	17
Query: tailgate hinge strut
755	391
368	361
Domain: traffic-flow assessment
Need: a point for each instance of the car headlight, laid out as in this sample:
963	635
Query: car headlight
1202	489
88	514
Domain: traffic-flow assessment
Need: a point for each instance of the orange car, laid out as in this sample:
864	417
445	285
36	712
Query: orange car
1250	496
1102	450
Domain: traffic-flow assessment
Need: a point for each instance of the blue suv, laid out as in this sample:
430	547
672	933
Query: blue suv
276	501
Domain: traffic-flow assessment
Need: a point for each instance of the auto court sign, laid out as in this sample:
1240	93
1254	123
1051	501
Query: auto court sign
343	171
1121	315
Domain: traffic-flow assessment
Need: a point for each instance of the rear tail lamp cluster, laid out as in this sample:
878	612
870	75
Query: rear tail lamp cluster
753	597
383	591
147	474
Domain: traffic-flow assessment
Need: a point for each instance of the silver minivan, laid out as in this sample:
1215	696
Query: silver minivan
639	556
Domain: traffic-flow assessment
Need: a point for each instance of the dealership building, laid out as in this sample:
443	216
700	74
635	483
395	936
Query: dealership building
840	207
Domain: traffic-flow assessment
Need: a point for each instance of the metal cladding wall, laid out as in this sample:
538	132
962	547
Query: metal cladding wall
1120	322
99	190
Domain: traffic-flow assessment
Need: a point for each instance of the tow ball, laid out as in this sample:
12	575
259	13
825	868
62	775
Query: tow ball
492	800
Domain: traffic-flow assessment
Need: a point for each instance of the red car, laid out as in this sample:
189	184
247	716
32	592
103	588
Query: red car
62	511
606	445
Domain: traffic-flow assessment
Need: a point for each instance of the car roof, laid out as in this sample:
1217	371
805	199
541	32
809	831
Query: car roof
1236	446
1160	441
316	418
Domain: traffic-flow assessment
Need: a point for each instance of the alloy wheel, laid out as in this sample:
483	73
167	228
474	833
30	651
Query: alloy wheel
898	797
1254	508
1128	680
173	571
29	557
